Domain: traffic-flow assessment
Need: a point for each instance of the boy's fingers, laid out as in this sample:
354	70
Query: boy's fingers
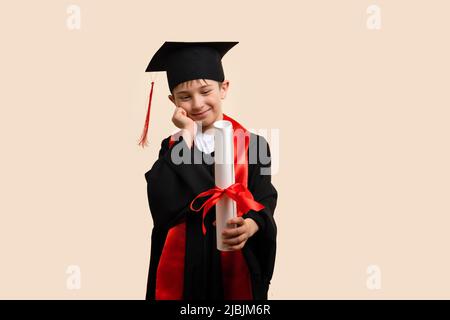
232	232
237	220
234	248
235	241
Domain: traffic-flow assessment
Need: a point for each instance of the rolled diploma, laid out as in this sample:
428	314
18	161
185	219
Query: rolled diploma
224	176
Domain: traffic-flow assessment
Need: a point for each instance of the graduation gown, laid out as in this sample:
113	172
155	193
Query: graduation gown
170	189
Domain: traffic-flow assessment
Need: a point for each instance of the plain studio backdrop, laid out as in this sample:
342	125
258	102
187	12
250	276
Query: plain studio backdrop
363	140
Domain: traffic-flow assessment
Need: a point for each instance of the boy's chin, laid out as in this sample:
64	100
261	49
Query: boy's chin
208	123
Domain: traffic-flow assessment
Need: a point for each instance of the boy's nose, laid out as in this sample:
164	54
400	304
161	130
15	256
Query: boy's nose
198	104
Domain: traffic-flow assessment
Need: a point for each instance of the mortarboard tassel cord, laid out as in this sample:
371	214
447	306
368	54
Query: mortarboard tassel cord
143	140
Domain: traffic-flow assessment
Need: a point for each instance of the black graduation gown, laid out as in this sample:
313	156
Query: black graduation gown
171	188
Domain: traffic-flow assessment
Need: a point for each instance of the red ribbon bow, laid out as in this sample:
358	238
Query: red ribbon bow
238	192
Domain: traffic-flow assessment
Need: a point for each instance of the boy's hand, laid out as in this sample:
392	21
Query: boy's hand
186	124
237	237
181	120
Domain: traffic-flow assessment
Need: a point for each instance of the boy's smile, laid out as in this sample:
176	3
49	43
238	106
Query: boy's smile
201	114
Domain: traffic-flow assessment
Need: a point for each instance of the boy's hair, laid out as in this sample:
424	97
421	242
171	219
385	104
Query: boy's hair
190	81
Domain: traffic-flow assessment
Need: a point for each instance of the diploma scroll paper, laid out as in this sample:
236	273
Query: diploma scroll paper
224	176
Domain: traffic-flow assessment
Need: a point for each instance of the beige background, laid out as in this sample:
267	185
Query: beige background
364	140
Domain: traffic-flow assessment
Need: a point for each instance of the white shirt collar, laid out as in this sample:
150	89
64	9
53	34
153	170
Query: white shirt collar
204	142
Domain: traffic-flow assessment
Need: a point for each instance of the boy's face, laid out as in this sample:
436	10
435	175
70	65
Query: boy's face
202	100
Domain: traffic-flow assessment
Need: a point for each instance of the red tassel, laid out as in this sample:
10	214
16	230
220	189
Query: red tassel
143	141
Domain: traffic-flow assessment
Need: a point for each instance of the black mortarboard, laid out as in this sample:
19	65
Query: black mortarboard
184	61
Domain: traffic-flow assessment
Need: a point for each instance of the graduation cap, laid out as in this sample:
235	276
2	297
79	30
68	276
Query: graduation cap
184	61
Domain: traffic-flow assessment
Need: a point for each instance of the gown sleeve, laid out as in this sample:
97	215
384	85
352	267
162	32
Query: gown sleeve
260	249
172	185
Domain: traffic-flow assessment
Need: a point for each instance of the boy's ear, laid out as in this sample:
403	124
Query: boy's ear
224	89
171	98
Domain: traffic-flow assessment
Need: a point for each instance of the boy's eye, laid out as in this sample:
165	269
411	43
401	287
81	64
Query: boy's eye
206	92
184	98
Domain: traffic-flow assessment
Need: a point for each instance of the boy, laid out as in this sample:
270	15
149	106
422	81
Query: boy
184	262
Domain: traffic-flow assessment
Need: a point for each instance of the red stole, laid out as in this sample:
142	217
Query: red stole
235	273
